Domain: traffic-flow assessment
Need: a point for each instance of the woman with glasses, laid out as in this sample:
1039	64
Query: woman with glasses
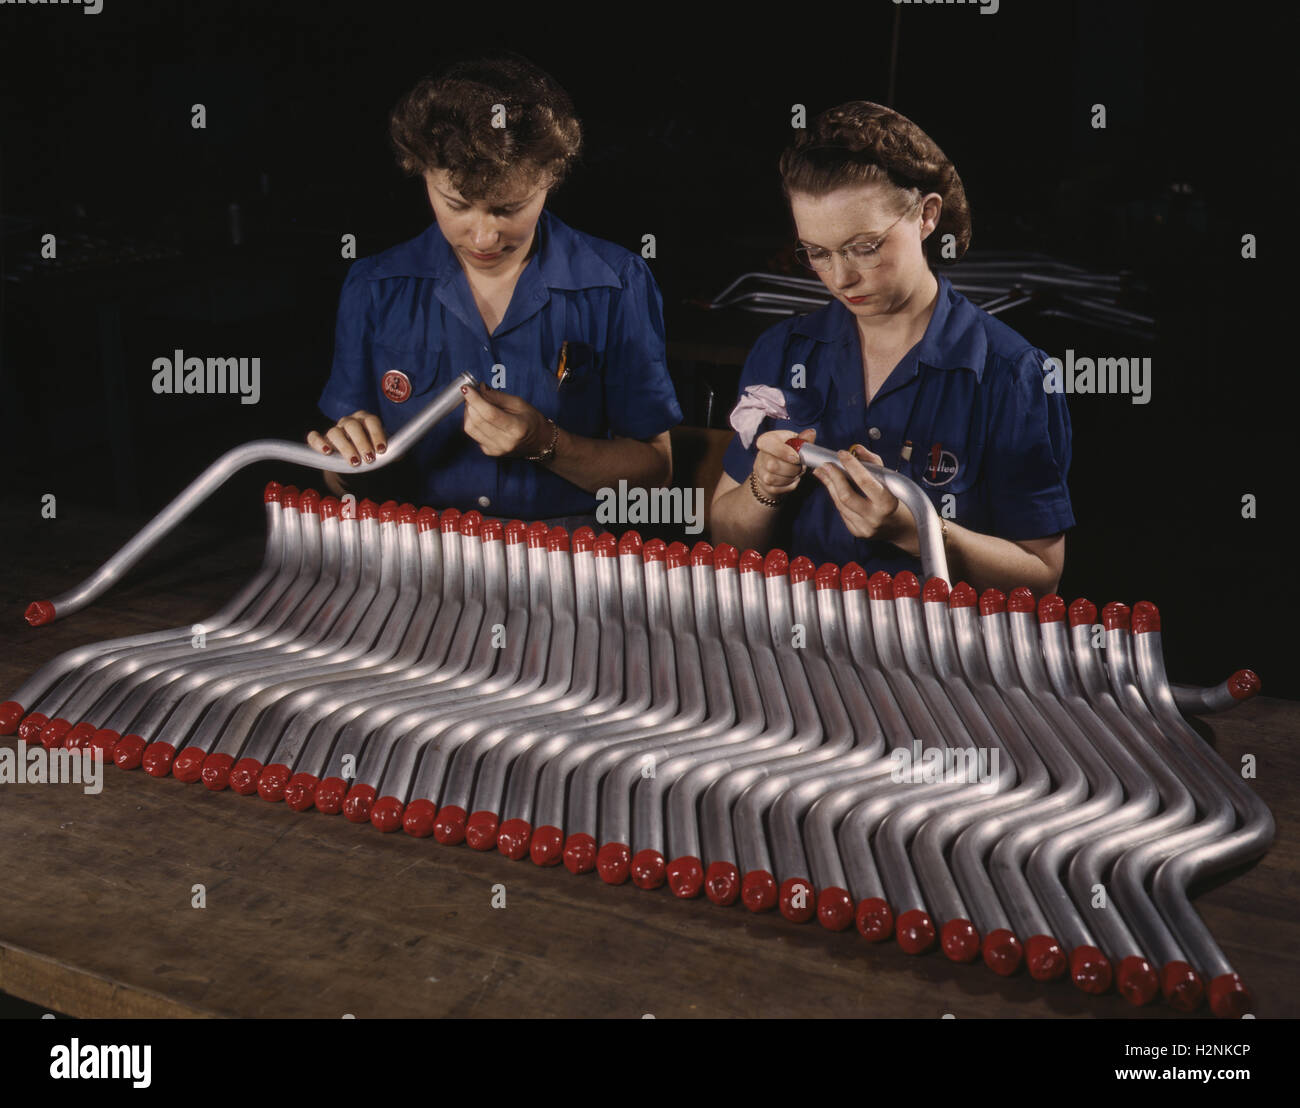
564	331
899	370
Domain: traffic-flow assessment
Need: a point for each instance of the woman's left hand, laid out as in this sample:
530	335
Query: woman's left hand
503	425
869	510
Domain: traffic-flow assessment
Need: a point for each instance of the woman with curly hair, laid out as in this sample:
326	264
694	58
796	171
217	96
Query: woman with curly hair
564	331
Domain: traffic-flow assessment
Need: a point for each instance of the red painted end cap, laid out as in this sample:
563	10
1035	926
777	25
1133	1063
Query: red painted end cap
216	771
797	900
1146	617
853	577
758	891
128	751
584	538
557	542
1020	600
992	602
751	561
491	531
962	596
612	863
30	729
915	930
273	781
834	908
289	497
1044	958
802	569
647	869
1090	969
481	831
702	554
39	612
725	556
722	883
907	584
515	532
828	576
449	521
1181	986
1051	609
449	827
679	555
1229	997
629	542
367	509
271	494
330	507
471	523
1116	616
1243	684
157	759
935	591
1083	612
426	519
309	502
606	546
514	839
406	513
330	795
417	820
776	564
685	876
874	919
656	550
1002	952
1136	981
243	776
10	713
881	585
959	940
188	764
386	814
300	792
580	853
547	847
536	535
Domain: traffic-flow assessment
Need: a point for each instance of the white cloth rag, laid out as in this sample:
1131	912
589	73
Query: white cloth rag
757	403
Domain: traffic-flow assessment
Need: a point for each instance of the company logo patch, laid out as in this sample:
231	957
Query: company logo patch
396	385
941	466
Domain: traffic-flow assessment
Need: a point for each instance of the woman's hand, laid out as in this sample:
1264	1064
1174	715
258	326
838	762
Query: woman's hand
777	467
503	425
357	438
869	510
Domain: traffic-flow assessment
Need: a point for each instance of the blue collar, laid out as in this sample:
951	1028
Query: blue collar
954	338
563	259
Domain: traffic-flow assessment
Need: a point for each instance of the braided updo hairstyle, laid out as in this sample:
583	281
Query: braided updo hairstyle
861	143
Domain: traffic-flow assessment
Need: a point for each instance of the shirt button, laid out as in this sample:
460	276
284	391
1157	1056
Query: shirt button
484	502
873	433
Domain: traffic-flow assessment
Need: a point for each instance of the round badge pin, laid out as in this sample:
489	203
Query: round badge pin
396	385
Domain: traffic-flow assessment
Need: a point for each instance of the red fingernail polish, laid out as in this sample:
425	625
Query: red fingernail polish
328	449
355	460
464	389
383	446
369	456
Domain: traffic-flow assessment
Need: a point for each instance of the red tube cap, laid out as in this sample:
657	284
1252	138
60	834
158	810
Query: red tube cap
300	792
1182	986
1002	952
481	833
1146	617
417	820
874	919
629	542
647	869
128	751
515	532
536	535
1044	957
1243	684
1116	616
725	556
915	931
992	602
1020	600
188	764
272	782
751	561
449	521
907	585
685	876
612	863
1136	981
959	940
758	891
39	612
834	908
1229	997
10	713
935	591
722	883
30	729
514	838
584	538
828	576
309	502
797	901
243	776
216	770
702	554
580	853
271	494
1051	609
1090	969
776	564
853	577
547	847
880	585
449	827
1083	611
157	759
802	569
359	801
330	795
386	814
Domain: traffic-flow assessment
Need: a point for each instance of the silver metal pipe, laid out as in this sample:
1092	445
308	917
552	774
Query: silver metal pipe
216	475
934	559
1196	700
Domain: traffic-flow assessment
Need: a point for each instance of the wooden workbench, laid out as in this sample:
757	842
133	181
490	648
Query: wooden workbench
309	915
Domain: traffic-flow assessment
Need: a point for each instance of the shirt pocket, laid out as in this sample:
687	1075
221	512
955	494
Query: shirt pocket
407	377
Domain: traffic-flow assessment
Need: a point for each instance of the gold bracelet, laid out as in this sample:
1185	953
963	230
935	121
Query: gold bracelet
766	501
549	453
943	529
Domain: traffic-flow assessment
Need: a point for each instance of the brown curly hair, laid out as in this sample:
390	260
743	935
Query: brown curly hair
861	143
446	122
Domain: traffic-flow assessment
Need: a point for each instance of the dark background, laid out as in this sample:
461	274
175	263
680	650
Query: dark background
685	116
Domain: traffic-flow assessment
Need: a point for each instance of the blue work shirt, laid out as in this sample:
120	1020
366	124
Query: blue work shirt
970	398
408	325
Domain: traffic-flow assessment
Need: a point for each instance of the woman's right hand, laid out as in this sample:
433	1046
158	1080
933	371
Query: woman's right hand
356	438
777	468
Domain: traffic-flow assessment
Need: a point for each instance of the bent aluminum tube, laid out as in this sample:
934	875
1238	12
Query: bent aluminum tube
250	623
1195	700
73	666
1228	995
934	559
113	683
216	475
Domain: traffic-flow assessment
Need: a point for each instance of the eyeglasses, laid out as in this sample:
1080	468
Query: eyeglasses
857	255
